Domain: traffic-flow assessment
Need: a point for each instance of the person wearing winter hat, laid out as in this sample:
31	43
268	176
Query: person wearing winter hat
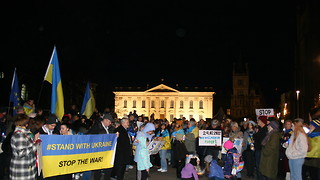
179	153
228	162
258	137
50	125
270	151
216	172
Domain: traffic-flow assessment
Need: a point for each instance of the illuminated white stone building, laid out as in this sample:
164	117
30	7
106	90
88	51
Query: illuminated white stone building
165	102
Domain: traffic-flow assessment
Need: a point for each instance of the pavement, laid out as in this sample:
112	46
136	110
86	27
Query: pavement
169	175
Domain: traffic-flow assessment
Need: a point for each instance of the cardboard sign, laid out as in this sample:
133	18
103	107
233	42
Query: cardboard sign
237	143
265	112
210	137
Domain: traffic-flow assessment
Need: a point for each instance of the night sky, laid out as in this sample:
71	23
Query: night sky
134	43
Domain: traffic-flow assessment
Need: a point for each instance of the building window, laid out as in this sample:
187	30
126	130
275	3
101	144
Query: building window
125	104
143	104
171	104
191	104
171	117
134	104
228	112
190	116
1	75
240	83
181	104
200	104
162	104
152	104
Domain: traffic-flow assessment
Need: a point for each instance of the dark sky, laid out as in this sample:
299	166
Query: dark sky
119	43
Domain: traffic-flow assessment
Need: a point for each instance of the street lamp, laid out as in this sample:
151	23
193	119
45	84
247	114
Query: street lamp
298	93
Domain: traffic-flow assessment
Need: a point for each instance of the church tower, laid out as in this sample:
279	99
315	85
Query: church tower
244	99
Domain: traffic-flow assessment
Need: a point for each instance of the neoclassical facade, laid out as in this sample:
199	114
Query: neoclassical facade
165	102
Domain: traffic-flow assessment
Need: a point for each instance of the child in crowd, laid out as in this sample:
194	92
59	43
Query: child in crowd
215	171
189	171
228	162
142	157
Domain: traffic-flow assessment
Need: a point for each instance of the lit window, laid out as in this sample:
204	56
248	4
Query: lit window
201	105
152	104
171	104
191	105
134	104
143	104
162	104
125	104
181	104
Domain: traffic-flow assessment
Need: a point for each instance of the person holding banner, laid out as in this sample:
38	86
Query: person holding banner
123	155
50	125
102	126
142	157
23	143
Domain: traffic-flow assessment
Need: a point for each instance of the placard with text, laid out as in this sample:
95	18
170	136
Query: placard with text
210	137
65	154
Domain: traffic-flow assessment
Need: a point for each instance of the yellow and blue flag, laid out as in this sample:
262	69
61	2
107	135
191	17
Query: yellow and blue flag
77	153
53	77
15	92
89	103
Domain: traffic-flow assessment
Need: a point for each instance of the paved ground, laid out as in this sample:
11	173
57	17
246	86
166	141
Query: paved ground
170	175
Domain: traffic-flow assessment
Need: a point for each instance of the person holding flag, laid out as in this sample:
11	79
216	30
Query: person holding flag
53	77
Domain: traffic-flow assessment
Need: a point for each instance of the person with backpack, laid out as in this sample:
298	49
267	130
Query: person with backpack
232	164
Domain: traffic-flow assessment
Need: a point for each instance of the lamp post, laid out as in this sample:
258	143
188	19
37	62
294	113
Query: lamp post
298	93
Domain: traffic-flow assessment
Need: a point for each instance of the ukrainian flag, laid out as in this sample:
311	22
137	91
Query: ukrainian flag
53	77
89	103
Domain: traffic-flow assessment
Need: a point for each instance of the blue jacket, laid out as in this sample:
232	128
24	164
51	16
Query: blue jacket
215	170
228	162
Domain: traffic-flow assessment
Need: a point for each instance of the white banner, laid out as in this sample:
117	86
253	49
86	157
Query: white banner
210	137
265	112
237	144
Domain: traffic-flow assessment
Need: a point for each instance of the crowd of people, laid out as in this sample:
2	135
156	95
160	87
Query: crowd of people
269	149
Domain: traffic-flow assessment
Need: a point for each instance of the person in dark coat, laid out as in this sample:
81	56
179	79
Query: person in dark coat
102	127
49	127
270	151
180	151
124	154
258	137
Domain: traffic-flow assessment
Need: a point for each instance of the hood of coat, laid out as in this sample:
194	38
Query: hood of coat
148	127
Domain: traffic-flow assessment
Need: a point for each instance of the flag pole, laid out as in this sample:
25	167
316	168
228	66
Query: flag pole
40	94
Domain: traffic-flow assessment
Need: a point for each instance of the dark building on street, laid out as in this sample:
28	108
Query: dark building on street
307	62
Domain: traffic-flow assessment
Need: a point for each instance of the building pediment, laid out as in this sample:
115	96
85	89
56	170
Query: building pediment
161	88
